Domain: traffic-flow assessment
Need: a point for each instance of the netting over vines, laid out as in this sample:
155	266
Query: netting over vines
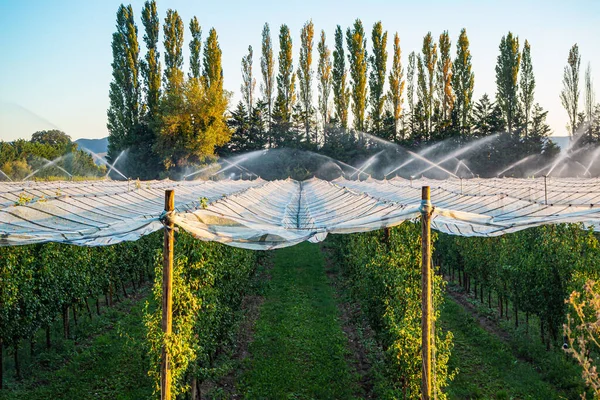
259	214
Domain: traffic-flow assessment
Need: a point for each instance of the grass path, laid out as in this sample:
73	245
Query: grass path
110	364
299	349
487	366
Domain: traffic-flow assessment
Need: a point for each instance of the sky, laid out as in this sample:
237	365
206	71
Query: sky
55	67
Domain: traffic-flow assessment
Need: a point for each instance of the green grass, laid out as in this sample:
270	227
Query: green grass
106	361
299	348
488	368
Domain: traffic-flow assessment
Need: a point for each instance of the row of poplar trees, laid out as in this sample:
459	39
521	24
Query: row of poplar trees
168	120
357	93
160	118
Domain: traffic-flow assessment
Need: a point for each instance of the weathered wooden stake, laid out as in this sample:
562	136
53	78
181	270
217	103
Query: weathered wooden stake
167	300
426	209
545	190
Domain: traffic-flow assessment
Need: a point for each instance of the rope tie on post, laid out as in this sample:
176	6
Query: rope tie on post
166	219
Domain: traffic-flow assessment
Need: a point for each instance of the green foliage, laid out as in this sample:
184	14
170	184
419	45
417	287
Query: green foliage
305	75
569	96
395	95
488	368
463	82
40	282
20	158
105	360
195	45
299	349
356	40
426	63
444	85
248	81
151	64
191	125
385	277
286	78
173	43
209	282
534	269
324	76
378	61
267	69
52	137
527	86
125	89
507	72
341	93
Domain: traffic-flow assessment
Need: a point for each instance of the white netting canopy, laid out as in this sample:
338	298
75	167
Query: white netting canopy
259	214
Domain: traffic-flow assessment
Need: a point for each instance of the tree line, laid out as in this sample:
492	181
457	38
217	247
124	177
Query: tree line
169	120
50	153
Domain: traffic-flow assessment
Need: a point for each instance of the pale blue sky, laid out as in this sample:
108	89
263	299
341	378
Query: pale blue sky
55	64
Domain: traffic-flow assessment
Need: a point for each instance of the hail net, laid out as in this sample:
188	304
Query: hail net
259	214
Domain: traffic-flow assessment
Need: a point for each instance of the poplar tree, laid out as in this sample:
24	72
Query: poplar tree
193	120
125	91
305	76
590	98
325	78
396	79
527	86
248	81
507	72
211	120
570	93
341	94
410	88
378	62
195	46
285	78
426	80
142	159
213	69
357	57
444	78
267	69
463	82
151	64
173	43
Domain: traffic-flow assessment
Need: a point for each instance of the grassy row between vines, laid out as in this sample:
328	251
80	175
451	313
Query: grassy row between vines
383	271
40	282
491	368
299	349
106	360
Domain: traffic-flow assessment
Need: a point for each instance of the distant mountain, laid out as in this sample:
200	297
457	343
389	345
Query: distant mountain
561	141
98	146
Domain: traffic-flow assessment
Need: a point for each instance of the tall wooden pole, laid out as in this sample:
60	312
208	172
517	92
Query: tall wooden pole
167	297
426	293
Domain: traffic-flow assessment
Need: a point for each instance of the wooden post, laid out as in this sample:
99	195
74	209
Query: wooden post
545	190
426	209
167	294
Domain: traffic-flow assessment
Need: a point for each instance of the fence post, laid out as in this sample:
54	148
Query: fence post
167	296
426	209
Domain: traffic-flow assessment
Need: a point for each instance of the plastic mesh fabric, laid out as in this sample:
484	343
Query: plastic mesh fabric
262	214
